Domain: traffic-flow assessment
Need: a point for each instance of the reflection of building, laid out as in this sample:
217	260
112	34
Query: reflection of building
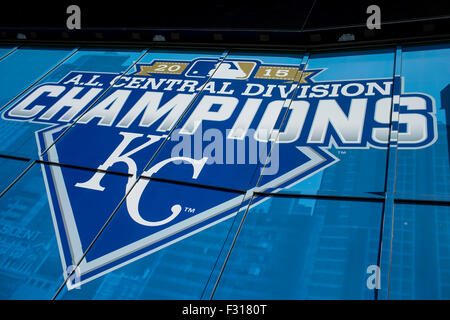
421	253
287	252
425	172
346	246
28	252
266	260
120	286
420	264
421	246
357	171
349	237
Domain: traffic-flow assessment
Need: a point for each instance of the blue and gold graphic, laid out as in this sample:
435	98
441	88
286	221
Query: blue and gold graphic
136	170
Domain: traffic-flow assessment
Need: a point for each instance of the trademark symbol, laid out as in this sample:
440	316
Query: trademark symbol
189	210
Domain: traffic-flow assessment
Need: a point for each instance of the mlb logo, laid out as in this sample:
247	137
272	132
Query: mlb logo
237	70
201	68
